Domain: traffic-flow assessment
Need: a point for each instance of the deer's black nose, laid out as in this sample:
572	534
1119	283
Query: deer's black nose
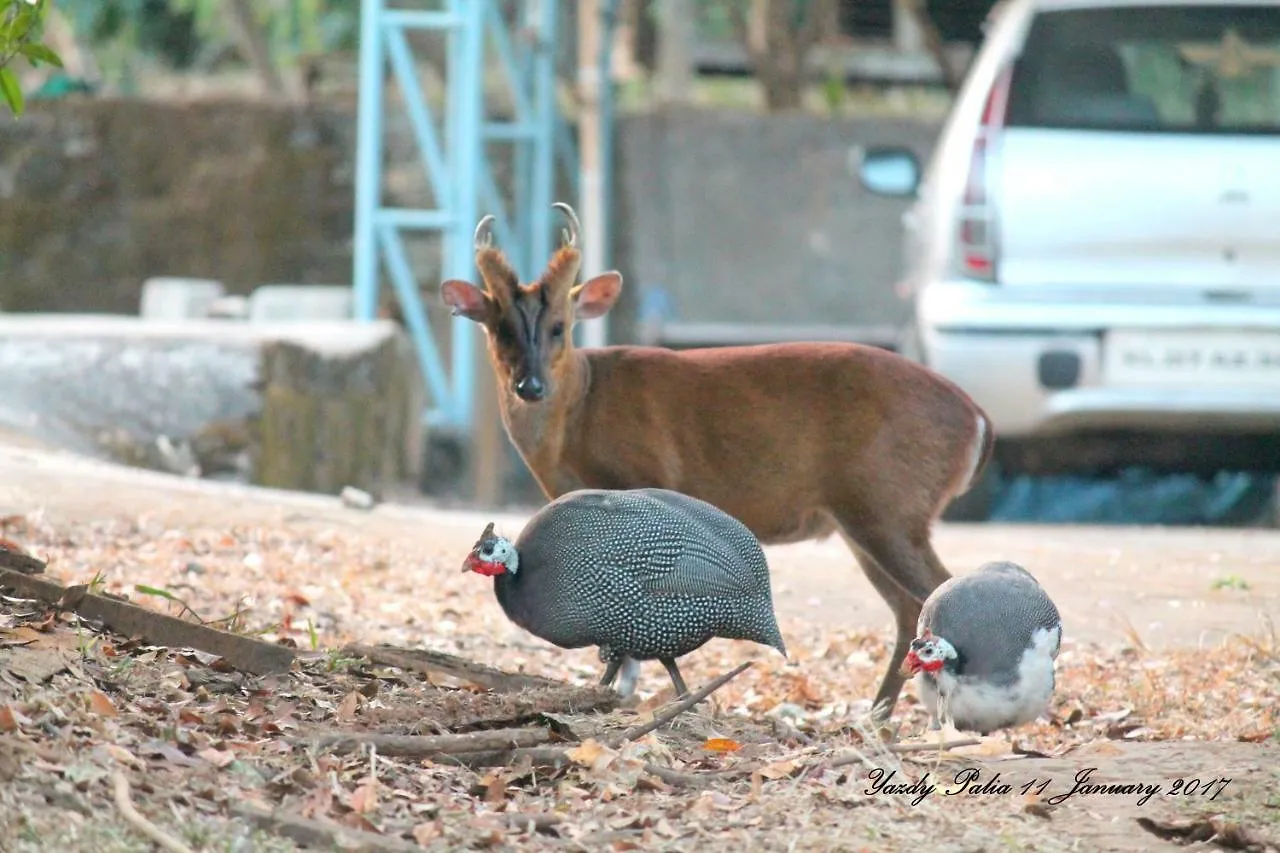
530	389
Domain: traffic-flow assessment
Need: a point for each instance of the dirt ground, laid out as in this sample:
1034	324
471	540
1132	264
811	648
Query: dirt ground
1170	671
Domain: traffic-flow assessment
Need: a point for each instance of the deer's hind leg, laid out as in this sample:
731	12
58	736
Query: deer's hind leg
904	570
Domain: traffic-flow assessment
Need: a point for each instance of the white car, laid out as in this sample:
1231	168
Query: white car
1094	249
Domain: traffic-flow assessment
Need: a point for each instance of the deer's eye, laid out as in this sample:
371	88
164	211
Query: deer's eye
557	331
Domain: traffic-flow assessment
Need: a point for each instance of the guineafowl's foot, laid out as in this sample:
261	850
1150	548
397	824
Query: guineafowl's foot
676	680
610	672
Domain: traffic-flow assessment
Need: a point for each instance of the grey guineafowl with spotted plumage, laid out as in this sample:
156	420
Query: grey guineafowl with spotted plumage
643	574
985	649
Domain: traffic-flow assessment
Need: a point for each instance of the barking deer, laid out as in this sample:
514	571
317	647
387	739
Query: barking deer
795	440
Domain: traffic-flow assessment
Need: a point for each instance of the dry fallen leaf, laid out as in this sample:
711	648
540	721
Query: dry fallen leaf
101	704
9	717
217	757
591	754
429	831
721	744
347	709
365	798
124	756
779	769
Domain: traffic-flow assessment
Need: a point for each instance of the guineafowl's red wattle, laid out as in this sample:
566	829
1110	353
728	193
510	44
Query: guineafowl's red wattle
643	574
985	649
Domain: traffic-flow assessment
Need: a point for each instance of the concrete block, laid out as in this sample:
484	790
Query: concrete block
231	307
172	298
297	302
309	406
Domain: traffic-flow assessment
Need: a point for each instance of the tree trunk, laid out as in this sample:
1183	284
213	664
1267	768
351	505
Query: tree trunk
951	77
778	36
254	44
673	80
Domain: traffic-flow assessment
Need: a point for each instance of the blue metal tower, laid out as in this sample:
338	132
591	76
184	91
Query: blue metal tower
453	149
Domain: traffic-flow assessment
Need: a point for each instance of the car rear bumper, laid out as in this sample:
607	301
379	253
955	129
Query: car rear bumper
1039	367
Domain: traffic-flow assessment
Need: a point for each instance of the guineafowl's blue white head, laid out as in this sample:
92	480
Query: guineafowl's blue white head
928	653
492	555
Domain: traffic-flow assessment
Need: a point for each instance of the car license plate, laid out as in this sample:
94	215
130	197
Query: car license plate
1192	359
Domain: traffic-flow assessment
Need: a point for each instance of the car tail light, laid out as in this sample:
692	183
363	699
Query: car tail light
978	239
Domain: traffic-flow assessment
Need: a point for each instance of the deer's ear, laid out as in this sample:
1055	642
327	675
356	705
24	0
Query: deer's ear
595	296
465	300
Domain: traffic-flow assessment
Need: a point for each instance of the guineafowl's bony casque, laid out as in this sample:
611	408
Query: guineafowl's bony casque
643	574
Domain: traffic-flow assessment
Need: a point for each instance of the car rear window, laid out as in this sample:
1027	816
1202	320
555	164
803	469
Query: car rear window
1169	69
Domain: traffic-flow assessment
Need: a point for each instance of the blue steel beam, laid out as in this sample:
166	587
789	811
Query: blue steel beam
458	170
544	164
466	105
415	316
420	119
368	161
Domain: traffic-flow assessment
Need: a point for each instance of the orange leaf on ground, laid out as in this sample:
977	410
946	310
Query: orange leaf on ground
365	798
101	704
721	744
8	719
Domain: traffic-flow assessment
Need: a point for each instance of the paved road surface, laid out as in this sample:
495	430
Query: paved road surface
1161	581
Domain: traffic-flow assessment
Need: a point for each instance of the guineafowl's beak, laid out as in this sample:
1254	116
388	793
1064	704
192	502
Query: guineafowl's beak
469	564
910	664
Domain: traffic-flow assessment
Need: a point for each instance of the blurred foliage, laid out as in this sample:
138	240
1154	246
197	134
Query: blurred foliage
21	26
194	34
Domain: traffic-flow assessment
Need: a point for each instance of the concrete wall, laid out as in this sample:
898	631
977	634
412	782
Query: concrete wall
750	219
737	217
97	195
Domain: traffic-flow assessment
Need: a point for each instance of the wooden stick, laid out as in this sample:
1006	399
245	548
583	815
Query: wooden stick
904	748
423	746
557	757
244	653
120	788
543	822
673	711
535	756
19	562
319	833
429	662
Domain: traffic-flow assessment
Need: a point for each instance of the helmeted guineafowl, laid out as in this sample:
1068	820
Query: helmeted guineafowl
643	574
985	649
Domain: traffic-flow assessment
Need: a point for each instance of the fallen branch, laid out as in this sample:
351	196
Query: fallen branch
543	823
557	757
130	620
544	757
16	561
673	711
905	748
489	710
426	746
429	663
120	794
319	833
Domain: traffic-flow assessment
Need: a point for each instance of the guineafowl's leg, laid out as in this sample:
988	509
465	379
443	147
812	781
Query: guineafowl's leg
674	672
630	675
610	672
